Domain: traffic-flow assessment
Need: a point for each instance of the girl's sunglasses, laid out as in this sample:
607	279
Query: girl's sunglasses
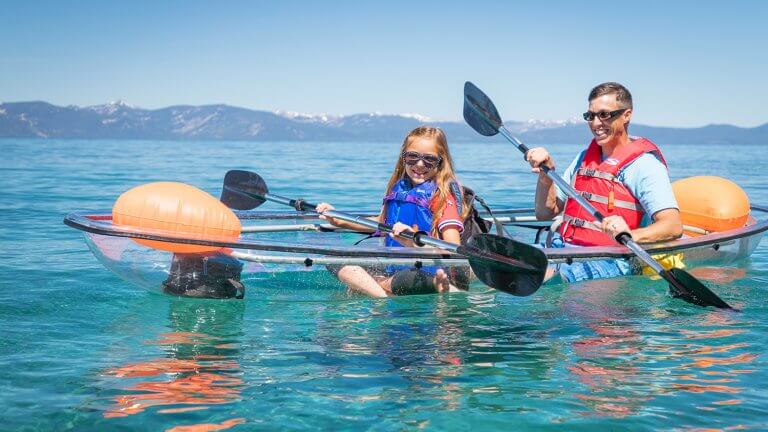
430	161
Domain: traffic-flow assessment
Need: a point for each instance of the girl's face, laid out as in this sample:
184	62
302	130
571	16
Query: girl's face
421	160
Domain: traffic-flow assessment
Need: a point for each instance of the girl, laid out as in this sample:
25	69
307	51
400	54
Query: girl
420	195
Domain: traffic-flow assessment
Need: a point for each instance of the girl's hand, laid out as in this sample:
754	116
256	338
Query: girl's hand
398	228
323	207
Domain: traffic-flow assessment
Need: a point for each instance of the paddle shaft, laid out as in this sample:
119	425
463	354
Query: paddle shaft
419	237
623	238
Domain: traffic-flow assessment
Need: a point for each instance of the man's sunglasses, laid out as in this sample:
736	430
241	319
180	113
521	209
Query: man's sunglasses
430	161
603	115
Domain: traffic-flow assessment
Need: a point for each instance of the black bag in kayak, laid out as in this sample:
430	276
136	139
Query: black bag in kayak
473	224
205	276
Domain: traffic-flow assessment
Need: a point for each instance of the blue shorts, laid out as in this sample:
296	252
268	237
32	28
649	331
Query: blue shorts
588	270
392	269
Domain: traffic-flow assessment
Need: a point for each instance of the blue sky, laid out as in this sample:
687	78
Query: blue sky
686	63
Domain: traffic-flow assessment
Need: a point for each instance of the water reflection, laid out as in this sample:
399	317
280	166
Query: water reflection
719	275
423	352
595	350
608	353
200	367
627	366
708	355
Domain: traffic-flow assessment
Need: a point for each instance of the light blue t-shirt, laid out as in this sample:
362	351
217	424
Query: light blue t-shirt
646	177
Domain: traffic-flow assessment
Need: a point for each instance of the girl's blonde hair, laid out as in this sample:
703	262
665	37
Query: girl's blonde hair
443	177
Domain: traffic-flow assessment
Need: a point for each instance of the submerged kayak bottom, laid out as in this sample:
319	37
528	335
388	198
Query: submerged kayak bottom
212	275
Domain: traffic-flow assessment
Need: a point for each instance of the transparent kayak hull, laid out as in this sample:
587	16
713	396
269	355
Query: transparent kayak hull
293	249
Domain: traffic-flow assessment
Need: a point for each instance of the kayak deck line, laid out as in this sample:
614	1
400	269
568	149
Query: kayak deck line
100	224
296	250
363	261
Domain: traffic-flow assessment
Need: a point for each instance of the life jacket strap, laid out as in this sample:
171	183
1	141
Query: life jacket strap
556	222
500	231
591	172
403	196
457	195
581	223
616	203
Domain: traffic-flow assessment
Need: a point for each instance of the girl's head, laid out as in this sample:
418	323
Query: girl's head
424	156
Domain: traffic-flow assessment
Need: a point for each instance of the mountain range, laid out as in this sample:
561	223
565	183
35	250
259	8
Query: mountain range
118	120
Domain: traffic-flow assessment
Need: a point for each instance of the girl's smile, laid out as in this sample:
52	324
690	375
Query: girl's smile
419	172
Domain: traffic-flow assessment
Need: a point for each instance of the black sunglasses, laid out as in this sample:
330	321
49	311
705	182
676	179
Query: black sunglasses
430	161
603	115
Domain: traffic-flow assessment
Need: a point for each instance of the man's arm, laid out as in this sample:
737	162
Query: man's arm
550	200
666	226
548	205
648	180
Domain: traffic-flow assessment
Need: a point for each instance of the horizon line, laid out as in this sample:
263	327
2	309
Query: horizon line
293	114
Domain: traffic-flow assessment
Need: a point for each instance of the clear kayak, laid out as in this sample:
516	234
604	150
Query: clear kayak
293	249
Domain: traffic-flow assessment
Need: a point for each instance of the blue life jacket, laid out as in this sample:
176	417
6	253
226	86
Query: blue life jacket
409	205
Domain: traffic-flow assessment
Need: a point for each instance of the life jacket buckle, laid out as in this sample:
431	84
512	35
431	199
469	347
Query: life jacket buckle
587	195
591	172
577	222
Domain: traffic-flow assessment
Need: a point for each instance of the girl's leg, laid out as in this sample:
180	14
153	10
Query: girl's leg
359	280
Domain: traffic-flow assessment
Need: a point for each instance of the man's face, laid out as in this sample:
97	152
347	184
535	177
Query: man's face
608	130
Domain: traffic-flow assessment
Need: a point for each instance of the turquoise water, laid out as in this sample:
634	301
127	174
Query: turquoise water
80	349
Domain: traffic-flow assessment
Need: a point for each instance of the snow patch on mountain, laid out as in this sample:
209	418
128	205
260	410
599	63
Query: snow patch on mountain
536	124
333	119
415	116
110	108
308	118
193	124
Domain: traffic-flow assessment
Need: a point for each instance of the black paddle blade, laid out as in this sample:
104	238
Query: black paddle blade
505	264
479	111
236	182
686	287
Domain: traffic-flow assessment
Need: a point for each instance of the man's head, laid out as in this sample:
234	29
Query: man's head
623	96
610	110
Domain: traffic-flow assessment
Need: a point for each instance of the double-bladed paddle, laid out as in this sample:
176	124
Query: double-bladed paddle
481	114
501	263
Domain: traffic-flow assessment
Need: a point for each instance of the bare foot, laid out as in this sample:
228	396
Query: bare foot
441	281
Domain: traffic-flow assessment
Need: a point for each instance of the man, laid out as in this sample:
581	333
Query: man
623	177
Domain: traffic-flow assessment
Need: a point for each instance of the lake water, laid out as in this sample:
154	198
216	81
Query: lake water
80	349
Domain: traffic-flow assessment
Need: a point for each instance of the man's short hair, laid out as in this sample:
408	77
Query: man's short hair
623	96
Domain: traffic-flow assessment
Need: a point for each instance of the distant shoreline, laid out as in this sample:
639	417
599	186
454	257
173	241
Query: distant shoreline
119	121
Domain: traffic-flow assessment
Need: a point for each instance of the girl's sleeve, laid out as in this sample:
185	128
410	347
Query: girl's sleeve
450	217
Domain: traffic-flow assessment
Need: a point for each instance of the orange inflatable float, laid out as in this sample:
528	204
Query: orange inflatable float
711	203
178	210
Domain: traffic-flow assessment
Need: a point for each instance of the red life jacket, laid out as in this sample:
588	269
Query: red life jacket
596	181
